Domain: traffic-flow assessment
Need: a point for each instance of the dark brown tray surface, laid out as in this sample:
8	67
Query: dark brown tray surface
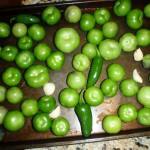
27	137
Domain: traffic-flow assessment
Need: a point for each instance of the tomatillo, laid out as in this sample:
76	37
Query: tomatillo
93	96
128	42
11	76
9	52
109	49
76	80
60	126
143	37
129	87
36	76
147	10
111	124
87	22
46	103
127	112
143	116
4	30
69	97
25	42
51	15
116	72
109	87
122	7
102	15
41	122
29	107
67	39
73	14
14	120
55	60
134	18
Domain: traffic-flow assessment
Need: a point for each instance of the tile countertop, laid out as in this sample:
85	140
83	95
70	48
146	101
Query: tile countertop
29	2
136	143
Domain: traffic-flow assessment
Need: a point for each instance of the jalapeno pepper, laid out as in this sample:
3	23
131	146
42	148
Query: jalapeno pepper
95	70
26	19
84	114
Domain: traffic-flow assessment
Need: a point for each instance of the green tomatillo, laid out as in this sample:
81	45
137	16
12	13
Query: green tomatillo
87	22
9	52
55	60
134	18
67	39
102	15
122	7
109	87
11	76
36	76
109	49
128	42
4	30
73	14
51	15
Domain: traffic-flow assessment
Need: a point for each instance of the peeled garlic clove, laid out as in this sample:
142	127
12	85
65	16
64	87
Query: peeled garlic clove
55	113
136	76
138	55
49	88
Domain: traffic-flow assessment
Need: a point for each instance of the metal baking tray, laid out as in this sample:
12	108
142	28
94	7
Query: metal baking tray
27	137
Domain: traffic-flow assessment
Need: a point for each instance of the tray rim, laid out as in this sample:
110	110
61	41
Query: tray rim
62	141
40	6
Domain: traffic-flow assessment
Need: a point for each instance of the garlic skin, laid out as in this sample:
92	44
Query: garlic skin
137	77
55	113
49	88
138	55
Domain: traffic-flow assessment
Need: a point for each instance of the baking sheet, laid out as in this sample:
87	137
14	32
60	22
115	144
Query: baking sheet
27	137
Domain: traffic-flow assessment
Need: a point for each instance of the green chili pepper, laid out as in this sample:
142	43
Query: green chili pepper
26	19
84	114
95	70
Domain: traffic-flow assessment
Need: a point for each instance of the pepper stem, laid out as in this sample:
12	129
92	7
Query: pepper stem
12	19
98	53
81	97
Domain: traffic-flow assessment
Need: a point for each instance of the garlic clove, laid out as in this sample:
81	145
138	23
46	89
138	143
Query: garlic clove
49	88
55	113
138	55
136	76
